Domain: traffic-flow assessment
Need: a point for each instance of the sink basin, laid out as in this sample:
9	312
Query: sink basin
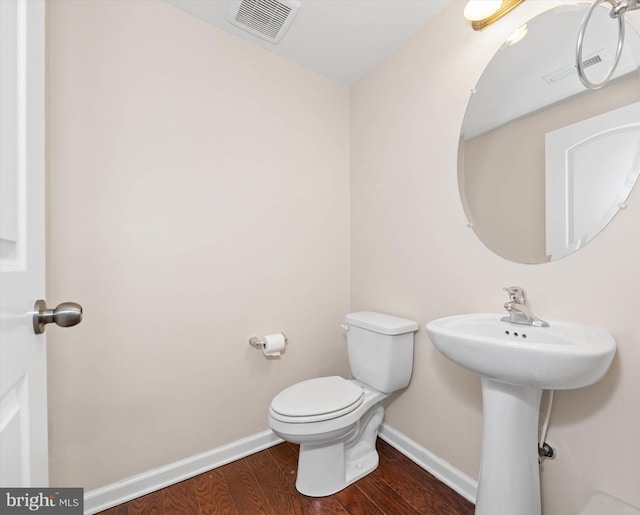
516	362
558	357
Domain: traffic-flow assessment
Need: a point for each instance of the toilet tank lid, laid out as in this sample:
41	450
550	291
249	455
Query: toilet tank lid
381	323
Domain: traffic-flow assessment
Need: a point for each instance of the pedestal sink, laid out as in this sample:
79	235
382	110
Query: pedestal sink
516	362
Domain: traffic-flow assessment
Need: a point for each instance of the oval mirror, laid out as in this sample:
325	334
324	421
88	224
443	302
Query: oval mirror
543	162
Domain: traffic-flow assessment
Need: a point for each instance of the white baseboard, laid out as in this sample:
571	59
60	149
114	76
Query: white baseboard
141	484
444	471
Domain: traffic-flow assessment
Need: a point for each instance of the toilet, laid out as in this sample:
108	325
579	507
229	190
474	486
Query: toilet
336	420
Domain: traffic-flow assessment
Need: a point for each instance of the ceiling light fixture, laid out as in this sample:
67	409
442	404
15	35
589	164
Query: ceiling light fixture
482	13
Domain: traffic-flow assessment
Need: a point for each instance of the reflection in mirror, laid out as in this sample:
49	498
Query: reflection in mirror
543	162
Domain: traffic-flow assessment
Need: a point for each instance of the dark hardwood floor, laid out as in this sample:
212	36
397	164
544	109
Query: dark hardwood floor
264	483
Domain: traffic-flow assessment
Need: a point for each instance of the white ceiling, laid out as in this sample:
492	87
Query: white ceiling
340	39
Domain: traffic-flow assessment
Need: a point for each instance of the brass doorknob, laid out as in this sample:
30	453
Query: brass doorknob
65	315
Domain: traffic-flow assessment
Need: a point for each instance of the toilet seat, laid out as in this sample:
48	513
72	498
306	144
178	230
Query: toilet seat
316	400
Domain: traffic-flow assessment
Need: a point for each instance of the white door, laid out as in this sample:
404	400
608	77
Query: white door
23	393
591	167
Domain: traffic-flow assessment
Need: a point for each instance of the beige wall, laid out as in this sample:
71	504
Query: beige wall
198	194
413	254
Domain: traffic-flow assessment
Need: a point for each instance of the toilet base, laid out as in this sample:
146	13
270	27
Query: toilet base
325	469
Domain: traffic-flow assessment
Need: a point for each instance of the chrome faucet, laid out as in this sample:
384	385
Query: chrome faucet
519	309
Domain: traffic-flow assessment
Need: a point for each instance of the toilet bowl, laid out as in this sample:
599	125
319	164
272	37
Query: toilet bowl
335	420
337	447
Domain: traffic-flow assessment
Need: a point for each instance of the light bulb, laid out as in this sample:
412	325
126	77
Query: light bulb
481	9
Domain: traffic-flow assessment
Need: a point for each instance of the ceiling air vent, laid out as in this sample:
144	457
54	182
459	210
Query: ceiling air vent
571	69
267	19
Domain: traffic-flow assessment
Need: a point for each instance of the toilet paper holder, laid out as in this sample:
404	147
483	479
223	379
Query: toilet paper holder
259	342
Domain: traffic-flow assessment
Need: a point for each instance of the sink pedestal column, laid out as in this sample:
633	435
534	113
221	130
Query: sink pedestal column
509	481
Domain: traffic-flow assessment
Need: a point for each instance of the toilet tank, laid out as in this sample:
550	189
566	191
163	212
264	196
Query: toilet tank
380	349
